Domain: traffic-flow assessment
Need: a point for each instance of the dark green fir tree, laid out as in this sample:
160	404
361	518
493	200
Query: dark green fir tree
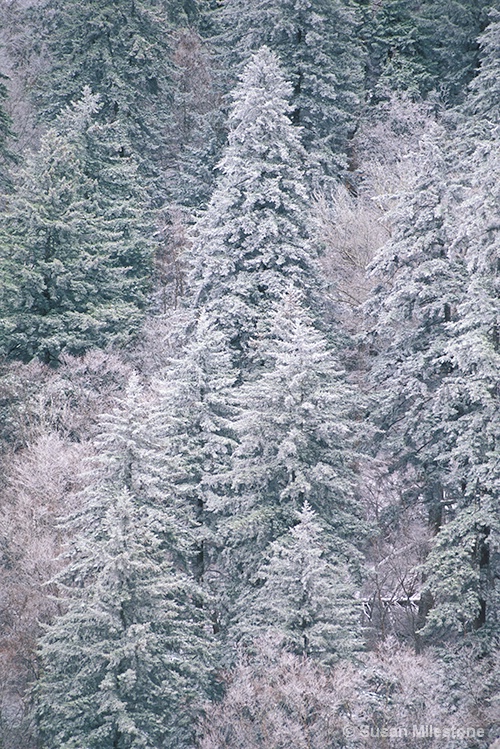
422	47
122	50
76	248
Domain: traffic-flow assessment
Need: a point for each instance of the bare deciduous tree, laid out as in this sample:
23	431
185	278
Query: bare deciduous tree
40	488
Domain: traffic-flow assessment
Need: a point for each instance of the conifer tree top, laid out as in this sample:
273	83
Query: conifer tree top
317	45
262	89
253	239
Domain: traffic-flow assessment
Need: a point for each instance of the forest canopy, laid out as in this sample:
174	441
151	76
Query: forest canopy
249	374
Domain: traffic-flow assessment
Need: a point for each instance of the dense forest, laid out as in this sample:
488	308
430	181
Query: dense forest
249	374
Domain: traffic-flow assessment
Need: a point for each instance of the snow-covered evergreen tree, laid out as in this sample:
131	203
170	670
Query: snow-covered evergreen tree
253	239
295	435
317	45
126	663
484	95
196	413
304	600
463	567
414	304
76	247
438	311
422	47
122	51
250	246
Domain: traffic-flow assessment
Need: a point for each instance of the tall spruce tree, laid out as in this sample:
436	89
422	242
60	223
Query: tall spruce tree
317	44
126	664
295	444
438	303
75	244
463	566
254	237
